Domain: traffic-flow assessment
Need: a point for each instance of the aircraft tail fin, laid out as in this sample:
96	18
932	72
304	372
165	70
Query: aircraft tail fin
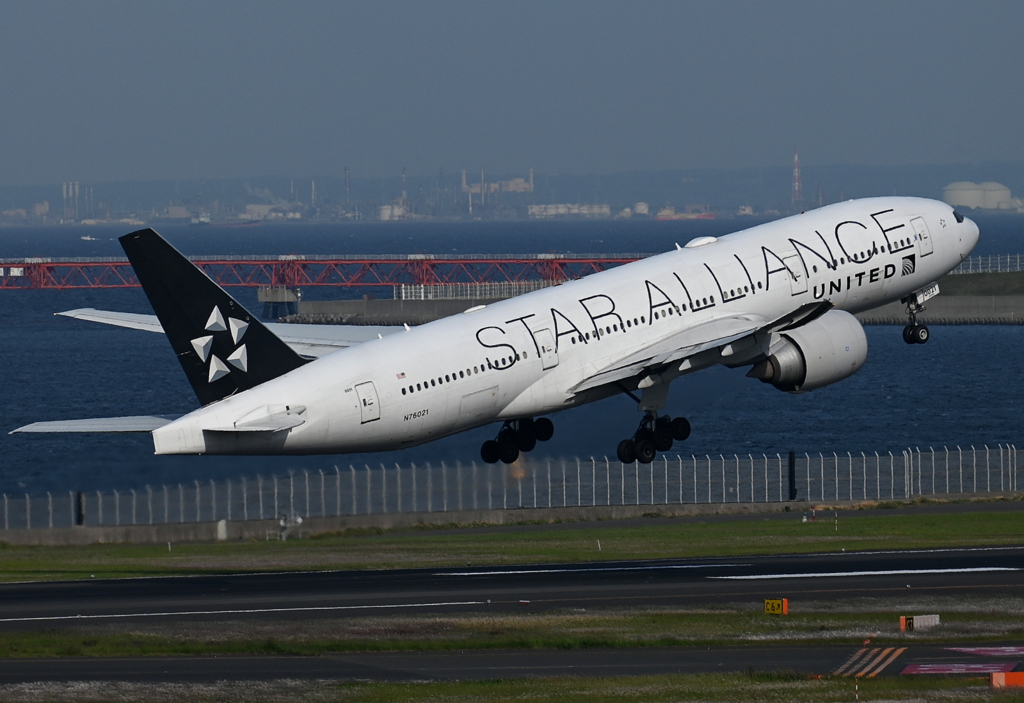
221	346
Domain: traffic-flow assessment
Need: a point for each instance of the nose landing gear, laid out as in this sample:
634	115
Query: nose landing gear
516	436
914	333
654	435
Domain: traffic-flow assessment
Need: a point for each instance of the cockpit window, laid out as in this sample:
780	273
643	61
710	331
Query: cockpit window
958	216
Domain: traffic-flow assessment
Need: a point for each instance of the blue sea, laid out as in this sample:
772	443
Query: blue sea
965	387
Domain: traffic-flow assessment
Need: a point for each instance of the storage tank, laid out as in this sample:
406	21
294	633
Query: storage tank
964	194
997	196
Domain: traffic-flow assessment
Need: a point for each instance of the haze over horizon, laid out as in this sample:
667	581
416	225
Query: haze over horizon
124	91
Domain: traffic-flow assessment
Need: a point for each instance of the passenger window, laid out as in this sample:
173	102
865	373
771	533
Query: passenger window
417	386
403	391
432	382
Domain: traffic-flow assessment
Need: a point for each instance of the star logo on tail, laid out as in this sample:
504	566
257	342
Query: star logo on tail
239	358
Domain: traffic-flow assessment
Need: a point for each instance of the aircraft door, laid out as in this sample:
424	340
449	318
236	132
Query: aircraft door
797	279
923	236
369	406
548	354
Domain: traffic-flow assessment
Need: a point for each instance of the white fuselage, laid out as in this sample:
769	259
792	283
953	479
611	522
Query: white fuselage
523	356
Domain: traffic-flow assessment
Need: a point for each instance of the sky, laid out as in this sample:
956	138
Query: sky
128	91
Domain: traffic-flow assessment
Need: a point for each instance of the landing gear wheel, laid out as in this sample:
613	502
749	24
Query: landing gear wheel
507	436
662	438
645	451
680	428
526	442
626	451
543	428
490	452
920	335
908	334
508	453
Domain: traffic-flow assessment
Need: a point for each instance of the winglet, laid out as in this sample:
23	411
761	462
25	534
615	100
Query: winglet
222	348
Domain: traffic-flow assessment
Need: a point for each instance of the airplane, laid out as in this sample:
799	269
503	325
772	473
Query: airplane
778	297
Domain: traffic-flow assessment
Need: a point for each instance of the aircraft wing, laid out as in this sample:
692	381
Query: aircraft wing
717	333
307	340
137	423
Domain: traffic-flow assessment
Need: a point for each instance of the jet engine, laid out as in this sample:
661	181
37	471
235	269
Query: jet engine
821	352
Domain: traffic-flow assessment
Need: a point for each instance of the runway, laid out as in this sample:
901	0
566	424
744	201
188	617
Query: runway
988	571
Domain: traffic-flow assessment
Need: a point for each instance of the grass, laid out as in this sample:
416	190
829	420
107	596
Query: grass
433	548
846	623
726	688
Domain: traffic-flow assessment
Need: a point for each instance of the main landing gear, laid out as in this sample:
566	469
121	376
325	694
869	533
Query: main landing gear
654	435
516	436
914	333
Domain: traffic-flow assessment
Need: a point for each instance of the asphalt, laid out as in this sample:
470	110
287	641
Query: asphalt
987	572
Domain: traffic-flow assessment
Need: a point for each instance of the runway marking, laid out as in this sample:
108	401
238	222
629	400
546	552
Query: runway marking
884	664
242	611
887	572
990	651
587	569
854	658
959	668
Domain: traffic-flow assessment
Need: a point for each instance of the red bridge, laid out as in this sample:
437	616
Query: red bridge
302	271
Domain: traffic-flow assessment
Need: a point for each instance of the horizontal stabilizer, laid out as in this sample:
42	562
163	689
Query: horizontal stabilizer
311	341
134	321
136	423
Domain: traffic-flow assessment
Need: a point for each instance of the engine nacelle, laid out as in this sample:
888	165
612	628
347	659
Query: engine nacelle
824	351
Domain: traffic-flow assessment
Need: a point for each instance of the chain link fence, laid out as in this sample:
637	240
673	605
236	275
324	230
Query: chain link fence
545	483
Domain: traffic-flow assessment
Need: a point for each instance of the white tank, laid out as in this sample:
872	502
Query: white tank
997	196
963	194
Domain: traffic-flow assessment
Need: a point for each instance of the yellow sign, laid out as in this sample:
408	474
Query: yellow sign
776	606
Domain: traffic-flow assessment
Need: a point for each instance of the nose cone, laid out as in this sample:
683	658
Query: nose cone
969	234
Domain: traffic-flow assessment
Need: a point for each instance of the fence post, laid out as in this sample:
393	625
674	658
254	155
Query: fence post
6	523
117	509
291	491
458	480
352	472
198	493
149	502
398	488
737	458
974	467
821	467
430	488
636	481
863	476
476	486
593	481
708	457
607	481
79	508
305	473
835	460
849	471
369	494
99	508
444	487
213	501
277	508
71	505
49	506
181	504
28	512
504	486
133	506
259	492
988	472
245	499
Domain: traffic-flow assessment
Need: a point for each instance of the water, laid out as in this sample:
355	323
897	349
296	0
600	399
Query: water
963	387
